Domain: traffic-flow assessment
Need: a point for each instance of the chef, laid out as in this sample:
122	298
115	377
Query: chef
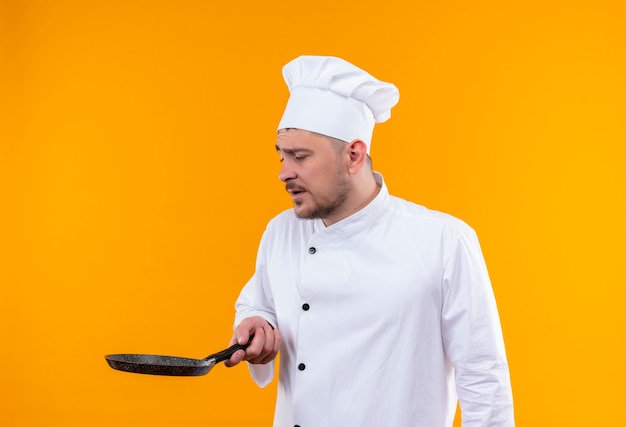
382	310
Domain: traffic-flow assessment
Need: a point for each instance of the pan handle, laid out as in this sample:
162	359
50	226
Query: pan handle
226	354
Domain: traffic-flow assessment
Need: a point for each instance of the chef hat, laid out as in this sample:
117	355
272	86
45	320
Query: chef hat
332	97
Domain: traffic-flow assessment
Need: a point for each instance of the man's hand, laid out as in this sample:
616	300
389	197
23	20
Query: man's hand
264	346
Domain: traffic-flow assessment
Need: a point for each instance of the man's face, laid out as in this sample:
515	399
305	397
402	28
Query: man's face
314	174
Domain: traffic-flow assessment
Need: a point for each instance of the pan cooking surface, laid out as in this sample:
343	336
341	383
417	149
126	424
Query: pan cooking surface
159	365
149	359
170	365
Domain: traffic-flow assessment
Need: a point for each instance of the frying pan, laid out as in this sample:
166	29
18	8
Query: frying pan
170	365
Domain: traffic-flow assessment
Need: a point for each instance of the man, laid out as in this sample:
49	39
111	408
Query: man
382	310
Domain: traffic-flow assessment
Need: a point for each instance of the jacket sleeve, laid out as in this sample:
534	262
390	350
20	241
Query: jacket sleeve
472	335
255	299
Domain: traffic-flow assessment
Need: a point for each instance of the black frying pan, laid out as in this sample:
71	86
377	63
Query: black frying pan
170	365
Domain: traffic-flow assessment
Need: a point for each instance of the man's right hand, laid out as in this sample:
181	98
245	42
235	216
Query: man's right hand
264	346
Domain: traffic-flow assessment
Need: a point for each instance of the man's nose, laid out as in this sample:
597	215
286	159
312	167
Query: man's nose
286	172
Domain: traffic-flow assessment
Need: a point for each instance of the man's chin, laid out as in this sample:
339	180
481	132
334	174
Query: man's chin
303	213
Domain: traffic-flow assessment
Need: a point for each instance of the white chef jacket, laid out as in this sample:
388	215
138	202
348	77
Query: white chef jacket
385	316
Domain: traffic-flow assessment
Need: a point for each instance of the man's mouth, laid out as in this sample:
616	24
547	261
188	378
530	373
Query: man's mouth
294	190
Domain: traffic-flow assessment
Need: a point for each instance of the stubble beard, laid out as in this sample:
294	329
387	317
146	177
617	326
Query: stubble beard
326	207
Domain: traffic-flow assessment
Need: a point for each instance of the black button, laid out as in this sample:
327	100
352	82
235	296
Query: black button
302	366
305	307
312	250
296	425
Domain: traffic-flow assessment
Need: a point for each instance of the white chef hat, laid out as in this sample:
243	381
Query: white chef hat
330	96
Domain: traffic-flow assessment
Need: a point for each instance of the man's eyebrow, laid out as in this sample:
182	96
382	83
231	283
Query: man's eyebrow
293	150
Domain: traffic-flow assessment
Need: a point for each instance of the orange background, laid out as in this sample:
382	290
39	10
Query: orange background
137	172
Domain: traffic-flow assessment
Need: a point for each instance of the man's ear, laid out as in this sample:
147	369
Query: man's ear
357	152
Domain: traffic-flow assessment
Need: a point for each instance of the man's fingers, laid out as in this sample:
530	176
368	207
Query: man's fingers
267	349
243	337
235	359
255	349
263	347
275	348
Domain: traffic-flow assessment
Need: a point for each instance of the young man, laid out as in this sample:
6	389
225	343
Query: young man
382	310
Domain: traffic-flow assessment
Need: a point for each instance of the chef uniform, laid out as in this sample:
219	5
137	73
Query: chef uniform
388	316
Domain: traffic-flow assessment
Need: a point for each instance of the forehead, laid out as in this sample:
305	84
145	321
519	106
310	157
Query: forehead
291	139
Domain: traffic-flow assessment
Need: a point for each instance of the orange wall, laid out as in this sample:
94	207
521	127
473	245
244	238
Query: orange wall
137	172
